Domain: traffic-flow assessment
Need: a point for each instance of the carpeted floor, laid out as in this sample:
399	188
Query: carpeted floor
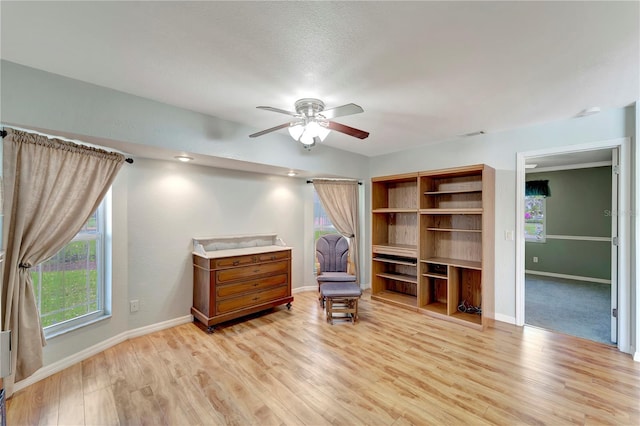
572	307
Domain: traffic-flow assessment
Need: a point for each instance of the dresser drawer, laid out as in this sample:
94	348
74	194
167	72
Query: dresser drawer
253	271
251	299
229	262
238	288
276	255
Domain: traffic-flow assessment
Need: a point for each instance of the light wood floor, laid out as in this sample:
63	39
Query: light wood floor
291	367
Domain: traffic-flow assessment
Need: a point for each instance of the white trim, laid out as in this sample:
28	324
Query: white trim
569	167
615	183
636	357
520	238
624	229
305	288
58	366
505	318
568	277
636	222
578	238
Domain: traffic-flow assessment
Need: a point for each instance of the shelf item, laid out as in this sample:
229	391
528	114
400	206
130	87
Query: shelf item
401	300
232	279
399	277
403	250
469	264
448	227
394	210
396	260
451	210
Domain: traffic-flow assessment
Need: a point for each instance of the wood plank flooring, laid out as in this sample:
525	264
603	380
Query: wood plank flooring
394	367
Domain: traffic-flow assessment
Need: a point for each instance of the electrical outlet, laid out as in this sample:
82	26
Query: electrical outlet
535	259
134	305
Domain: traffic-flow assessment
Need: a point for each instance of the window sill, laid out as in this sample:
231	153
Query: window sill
535	241
56	333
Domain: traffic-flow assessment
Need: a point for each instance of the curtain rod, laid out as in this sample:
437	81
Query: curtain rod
3	133
338	180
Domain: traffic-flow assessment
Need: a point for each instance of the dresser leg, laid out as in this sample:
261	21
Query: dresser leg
289	306
211	328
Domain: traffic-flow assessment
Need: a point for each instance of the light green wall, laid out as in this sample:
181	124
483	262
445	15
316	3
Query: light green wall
580	258
579	205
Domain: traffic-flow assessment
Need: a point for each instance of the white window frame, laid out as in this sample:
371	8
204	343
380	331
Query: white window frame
104	287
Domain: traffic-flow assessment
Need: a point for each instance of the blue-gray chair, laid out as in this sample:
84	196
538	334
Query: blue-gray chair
332	261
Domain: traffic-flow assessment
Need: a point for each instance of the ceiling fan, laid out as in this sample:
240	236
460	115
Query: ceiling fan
312	123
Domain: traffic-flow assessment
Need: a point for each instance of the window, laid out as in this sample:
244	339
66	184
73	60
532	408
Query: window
70	287
321	223
535	218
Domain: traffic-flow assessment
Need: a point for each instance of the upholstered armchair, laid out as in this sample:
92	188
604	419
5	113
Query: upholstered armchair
332	260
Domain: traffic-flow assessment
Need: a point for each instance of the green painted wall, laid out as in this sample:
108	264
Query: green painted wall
579	205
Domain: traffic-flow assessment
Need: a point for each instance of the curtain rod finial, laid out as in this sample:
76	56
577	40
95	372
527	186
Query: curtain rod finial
3	133
129	160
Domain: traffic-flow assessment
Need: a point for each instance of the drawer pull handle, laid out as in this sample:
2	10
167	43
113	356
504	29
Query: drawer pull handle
256	284
256	298
236	262
273	258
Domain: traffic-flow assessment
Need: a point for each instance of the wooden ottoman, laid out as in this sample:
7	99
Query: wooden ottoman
341	298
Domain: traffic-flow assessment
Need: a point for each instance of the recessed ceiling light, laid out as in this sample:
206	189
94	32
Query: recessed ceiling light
588	111
183	158
291	173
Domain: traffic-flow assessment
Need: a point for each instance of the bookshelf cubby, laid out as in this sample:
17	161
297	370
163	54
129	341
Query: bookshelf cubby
433	242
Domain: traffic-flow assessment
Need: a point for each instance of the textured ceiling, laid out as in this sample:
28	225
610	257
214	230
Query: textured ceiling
424	72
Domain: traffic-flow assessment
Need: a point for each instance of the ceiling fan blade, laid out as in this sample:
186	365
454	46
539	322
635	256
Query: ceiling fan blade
356	133
281	111
273	129
341	111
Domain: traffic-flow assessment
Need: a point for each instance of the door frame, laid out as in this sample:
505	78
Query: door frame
624	229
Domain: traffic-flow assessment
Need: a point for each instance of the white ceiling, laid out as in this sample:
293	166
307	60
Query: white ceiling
424	72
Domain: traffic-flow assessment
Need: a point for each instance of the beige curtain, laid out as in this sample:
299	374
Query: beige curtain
51	187
340	201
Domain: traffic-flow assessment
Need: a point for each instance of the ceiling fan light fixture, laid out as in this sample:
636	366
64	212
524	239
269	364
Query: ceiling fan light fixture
312	123
306	133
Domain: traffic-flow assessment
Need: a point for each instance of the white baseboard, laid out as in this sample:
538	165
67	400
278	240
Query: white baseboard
505	318
636	356
60	365
568	277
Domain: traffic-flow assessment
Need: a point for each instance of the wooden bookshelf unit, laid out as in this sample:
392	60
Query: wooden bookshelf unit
433	243
394	238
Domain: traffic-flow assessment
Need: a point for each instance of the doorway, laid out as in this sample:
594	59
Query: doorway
568	244
561	290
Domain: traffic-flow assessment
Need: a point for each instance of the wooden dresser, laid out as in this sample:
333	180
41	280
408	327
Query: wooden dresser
233	282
